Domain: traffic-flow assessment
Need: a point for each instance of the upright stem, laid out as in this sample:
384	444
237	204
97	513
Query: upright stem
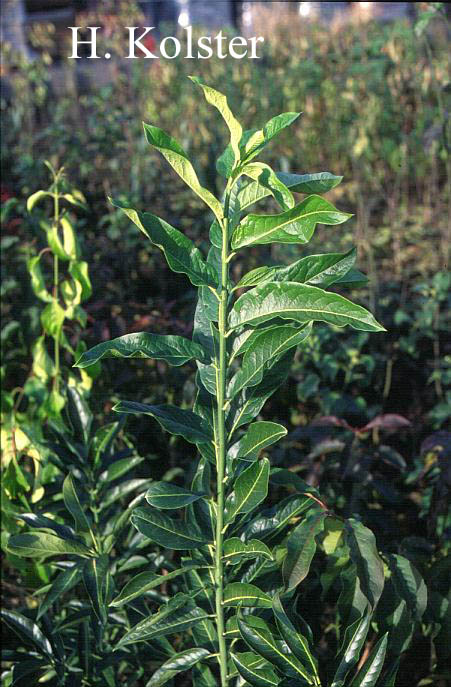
55	288
222	447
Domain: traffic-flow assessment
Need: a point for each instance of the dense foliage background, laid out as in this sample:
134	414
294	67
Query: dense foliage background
375	99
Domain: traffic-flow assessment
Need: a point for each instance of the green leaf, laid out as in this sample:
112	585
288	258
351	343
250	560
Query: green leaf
145	581
258	436
175	350
260	275
247	405
320	182
178	615
371	669
177	664
180	252
250	489
316	270
295	225
364	554
79	270
264	350
72	503
301	545
301	303
120	468
64	582
261	641
409	584
42	545
167	495
249	666
268	179
79	413
236	551
297	642
37	279
177	158
67	248
29	630
353	643
35	198
219	101
259	139
275	519
167	532
175	420
52	318
246	595
95	578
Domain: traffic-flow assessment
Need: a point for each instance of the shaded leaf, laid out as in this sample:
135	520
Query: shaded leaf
145	581
235	550
177	664
251	668
180	252
175	350
170	496
178	615
27	629
371	669
364	554
184	423
42	545
169	533
301	547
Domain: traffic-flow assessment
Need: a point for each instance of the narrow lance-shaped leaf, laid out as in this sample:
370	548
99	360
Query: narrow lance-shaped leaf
28	629
301	546
175	350
95	575
175	420
255	670
250	489
219	101
145	581
371	669
260	640
177	664
169	533
296	641
180	252
295	225
260	138
177	158
301	303
178	615
263	351
64	582
363	552
72	503
353	643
